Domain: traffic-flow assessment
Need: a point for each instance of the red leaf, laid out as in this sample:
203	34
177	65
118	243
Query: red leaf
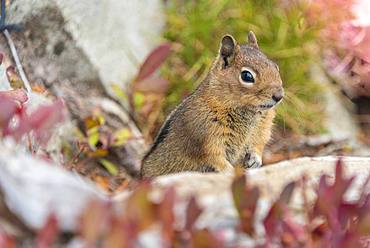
166	214
40	121
11	104
320	231
153	61
117	237
157	85
193	211
363	226
330	197
341	184
287	193
49	233
343	219
293	230
18	95
93	221
45	117
205	239
6	241
8	109
245	201
273	223
139	209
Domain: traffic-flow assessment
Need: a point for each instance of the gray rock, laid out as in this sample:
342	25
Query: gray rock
77	49
33	189
213	190
4	83
88	41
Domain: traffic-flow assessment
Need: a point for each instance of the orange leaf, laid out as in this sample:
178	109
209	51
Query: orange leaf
93	221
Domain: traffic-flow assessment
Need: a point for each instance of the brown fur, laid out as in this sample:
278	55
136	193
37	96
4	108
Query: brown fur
214	128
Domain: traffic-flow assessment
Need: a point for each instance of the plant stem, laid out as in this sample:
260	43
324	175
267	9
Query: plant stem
17	61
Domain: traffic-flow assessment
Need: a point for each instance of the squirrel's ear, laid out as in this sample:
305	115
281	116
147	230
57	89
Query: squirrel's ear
227	49
252	40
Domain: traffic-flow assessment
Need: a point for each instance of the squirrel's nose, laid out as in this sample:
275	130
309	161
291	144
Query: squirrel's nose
277	96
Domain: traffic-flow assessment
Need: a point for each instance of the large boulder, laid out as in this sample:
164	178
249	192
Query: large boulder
213	192
77	50
85	41
30	190
271	179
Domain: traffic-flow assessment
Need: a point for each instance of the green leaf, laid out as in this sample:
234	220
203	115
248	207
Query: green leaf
109	166
121	136
93	137
119	92
139	99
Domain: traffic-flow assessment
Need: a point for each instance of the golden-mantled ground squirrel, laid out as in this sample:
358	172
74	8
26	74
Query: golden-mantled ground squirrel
226	121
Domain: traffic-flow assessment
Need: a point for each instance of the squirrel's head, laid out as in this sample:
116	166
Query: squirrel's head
245	76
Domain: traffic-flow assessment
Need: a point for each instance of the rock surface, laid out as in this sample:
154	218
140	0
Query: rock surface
87	40
271	179
24	180
33	189
76	50
212	191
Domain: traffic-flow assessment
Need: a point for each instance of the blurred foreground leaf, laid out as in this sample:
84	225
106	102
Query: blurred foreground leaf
153	61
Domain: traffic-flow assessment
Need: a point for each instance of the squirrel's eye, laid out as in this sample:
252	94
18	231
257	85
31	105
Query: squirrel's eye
247	76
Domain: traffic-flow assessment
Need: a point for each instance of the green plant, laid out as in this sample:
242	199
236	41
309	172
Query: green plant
195	27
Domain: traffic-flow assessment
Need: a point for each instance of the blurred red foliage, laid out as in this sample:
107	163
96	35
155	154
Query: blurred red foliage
40	121
330	221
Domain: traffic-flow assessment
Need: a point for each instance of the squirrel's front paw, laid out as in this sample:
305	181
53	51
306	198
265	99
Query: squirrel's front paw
252	160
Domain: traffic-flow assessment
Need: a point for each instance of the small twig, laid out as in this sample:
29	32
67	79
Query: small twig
76	157
17	61
4	28
30	146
